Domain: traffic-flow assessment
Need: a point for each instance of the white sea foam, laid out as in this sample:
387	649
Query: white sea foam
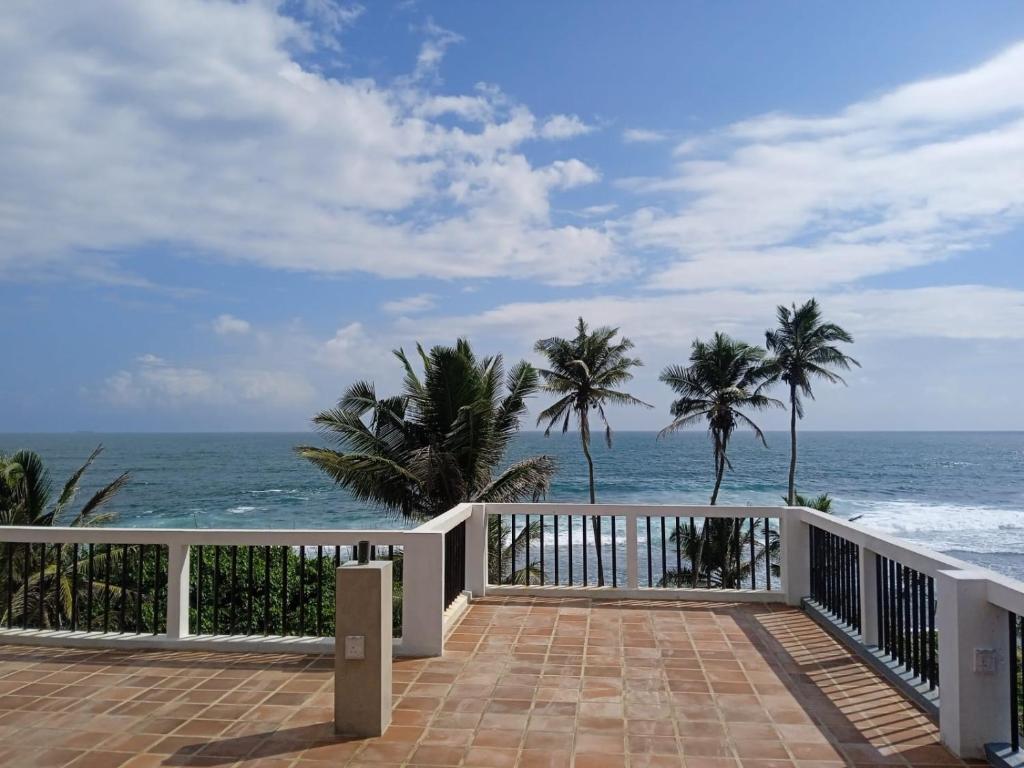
240	510
945	526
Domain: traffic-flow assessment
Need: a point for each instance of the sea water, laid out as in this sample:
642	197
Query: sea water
957	492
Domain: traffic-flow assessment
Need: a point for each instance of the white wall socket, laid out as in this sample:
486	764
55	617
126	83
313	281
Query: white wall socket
355	647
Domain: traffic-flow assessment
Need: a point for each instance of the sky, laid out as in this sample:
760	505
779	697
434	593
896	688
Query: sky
217	215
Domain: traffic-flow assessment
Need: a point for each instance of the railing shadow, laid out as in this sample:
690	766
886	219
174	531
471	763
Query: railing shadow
282	743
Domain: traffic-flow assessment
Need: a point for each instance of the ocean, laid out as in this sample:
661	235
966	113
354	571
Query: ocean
957	492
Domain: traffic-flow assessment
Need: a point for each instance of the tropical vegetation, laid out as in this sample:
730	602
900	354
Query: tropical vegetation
586	373
40	582
805	347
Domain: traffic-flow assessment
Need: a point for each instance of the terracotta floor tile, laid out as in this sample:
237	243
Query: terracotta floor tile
525	683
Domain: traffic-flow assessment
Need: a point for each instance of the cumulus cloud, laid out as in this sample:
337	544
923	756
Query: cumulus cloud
196	126
910	177
227	325
154	382
643	136
410	304
564	127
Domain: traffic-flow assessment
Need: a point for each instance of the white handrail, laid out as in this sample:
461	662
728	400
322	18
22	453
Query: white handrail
632	511
202	536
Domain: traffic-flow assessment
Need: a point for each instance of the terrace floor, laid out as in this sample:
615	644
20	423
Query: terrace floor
524	683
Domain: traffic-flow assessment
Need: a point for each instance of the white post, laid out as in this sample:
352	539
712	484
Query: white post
632	582
868	596
177	590
476	551
362	649
423	594
975	699
795	556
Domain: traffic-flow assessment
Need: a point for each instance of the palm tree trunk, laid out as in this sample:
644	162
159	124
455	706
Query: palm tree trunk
719	473
792	444
595	521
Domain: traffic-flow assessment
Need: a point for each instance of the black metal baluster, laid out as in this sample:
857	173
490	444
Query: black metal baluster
753	557
914	628
139	574
650	563
319	590
879	603
679	551
42	586
233	594
554	522
216	589
201	567
526	533
250	588
124	582
583	534
302	590
74	587
615	556
106	588
158	584
58	579
542	550
570	551
767	554
284	590
664	550
512	573
933	667
88	594
266	588
893	615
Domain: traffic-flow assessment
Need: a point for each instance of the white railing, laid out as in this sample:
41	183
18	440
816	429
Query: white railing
164	558
962	611
645	551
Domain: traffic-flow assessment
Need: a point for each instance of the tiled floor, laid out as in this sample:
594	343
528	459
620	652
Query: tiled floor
525	683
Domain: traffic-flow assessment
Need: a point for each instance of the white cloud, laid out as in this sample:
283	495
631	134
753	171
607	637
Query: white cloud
140	116
226	325
410	304
910	177
564	127
438	40
643	136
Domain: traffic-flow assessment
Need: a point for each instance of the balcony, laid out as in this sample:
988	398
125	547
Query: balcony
807	641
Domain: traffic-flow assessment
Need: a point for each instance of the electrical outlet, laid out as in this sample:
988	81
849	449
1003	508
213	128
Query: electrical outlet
355	647
985	661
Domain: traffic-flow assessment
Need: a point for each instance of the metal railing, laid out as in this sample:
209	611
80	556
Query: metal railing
454	563
671	550
835	576
906	609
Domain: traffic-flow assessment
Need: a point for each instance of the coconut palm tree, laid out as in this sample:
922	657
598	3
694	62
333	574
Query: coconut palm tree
439	442
725	377
26	491
723	563
804	347
585	373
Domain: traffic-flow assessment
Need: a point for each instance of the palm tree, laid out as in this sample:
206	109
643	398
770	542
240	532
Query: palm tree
804	347
25	494
723	565
724	378
822	503
439	442
585	373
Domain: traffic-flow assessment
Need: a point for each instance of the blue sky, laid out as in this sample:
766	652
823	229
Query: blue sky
215	216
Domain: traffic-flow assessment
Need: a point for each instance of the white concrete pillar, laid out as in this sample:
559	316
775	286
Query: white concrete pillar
177	590
795	556
975	702
476	551
632	552
362	648
423	594
868	596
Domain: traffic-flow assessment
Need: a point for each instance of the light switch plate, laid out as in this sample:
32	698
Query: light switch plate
355	647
